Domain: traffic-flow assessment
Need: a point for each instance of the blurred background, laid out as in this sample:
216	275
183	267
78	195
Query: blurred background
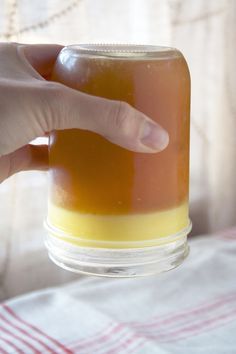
205	32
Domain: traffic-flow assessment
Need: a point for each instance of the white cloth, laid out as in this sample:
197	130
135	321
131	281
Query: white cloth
188	310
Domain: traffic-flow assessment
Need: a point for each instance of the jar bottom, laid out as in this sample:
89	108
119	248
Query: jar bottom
119	262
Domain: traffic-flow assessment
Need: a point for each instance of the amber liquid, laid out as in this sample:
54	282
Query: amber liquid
90	175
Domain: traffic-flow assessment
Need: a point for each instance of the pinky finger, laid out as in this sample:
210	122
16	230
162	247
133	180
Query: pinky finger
29	157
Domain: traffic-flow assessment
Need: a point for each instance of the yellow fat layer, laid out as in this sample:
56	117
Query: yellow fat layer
117	228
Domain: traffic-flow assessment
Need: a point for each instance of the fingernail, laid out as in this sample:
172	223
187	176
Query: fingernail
154	137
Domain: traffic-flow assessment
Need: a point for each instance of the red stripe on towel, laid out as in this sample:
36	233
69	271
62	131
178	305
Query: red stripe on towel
27	334
15	337
9	345
36	329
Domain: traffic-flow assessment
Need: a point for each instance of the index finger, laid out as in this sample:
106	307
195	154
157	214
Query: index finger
42	57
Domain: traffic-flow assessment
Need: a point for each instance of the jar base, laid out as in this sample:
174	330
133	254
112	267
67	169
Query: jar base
117	262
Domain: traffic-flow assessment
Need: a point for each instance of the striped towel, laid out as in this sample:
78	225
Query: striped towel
189	310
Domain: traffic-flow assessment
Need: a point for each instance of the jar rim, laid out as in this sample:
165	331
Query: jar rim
123	51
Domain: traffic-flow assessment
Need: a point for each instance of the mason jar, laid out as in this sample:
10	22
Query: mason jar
111	211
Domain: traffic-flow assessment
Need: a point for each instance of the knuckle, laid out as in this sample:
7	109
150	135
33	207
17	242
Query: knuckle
56	90
121	116
55	96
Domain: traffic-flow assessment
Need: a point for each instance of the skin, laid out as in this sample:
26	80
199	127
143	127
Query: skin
31	106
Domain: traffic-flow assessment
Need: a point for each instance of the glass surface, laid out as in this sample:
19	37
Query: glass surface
102	195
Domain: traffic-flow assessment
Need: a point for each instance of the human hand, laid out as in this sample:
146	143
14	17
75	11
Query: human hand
31	106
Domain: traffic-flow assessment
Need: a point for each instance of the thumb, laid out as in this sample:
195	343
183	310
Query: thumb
117	121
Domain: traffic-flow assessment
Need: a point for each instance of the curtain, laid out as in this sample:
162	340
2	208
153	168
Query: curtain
205	32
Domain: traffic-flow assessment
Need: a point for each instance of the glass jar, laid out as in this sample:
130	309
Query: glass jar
111	211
